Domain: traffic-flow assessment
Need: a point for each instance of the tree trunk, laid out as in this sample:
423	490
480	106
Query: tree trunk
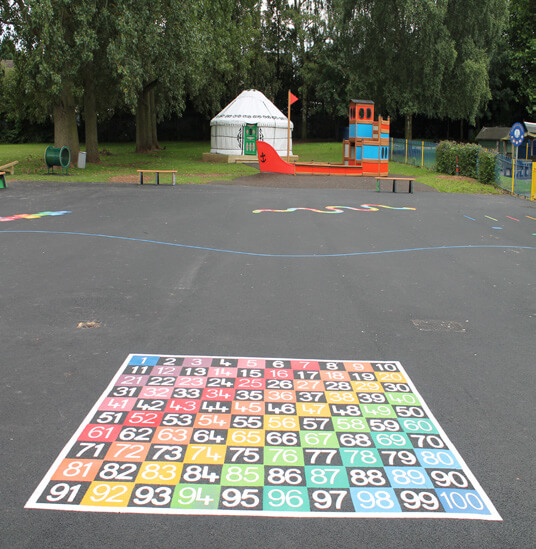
304	115
461	129
90	116
409	127
144	125
154	134
65	128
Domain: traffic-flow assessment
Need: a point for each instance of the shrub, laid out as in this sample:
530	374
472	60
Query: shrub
446	157
468	159
486	166
448	152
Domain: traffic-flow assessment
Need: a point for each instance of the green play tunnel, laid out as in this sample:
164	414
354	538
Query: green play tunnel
55	156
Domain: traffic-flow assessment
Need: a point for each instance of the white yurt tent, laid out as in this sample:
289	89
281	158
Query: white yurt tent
251	116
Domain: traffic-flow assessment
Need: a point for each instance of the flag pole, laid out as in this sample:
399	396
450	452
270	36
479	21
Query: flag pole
288	128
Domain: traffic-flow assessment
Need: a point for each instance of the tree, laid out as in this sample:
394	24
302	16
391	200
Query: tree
522	39
475	27
400	53
54	40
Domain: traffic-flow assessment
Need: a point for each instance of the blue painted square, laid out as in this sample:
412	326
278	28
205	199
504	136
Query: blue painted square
375	500
144	360
437	459
408	477
462	501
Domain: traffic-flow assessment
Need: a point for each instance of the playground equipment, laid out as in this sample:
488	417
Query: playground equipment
55	156
365	151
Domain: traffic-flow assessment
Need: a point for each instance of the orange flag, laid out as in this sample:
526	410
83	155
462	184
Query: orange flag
291	98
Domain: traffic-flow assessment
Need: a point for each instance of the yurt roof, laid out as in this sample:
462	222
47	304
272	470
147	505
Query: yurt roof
250	107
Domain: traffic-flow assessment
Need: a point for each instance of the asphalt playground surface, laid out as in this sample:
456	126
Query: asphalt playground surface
192	270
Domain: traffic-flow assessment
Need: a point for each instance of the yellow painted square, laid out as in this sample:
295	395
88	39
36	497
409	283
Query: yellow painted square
367	387
312	409
205	453
108	494
159	472
245	437
281	423
341	397
391	377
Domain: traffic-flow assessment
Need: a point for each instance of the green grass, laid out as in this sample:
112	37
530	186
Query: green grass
118	160
443	183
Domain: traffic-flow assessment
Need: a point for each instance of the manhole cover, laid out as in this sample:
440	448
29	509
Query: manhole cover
438	326
90	324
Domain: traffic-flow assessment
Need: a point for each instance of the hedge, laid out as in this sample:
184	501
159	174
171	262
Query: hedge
473	161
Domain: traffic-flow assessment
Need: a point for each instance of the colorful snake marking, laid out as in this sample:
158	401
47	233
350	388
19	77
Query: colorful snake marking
31	216
339	209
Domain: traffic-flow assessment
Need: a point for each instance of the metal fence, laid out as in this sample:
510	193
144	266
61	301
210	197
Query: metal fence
416	153
519	179
516	177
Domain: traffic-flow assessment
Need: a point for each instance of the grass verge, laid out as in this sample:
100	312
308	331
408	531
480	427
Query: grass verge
119	162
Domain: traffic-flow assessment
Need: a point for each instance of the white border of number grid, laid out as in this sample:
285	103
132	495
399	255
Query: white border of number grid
32	502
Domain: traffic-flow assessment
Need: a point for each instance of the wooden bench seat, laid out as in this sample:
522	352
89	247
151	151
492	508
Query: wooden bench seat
158	172
394	179
10	166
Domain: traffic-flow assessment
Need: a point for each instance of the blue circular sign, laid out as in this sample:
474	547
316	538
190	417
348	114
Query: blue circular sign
517	134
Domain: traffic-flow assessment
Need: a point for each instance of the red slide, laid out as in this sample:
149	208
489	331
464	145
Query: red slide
270	161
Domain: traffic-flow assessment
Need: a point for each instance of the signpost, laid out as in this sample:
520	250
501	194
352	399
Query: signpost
517	135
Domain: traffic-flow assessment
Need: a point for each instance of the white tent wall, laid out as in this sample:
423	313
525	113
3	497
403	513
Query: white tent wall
250	107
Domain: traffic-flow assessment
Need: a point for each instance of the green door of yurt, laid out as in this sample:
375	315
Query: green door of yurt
250	139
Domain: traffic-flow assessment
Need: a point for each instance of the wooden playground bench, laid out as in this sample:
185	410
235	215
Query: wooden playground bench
10	167
410	181
158	172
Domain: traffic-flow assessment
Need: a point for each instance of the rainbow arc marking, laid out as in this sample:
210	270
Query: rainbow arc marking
339	209
32	216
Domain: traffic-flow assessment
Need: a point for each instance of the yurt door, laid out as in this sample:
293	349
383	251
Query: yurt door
250	139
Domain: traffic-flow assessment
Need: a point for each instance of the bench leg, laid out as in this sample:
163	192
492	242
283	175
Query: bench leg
394	185
411	187
173	178
141	178
377	185
157	179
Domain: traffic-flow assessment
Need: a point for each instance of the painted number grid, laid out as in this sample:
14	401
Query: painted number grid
256	436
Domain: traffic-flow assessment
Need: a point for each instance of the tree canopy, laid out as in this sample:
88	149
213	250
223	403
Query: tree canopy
84	60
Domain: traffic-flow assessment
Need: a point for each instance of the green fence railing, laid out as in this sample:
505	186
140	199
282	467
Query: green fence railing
416	153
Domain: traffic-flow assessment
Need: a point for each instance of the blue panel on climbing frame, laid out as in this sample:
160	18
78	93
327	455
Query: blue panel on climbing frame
363	130
371	152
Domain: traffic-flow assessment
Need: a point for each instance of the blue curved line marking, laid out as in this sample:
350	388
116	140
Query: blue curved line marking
284	256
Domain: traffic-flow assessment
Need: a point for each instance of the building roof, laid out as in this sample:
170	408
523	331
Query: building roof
530	127
492	134
365	101
251	107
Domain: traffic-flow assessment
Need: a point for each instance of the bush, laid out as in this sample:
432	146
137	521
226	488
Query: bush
486	166
449	152
446	157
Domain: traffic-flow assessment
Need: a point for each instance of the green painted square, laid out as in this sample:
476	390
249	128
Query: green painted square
319	439
192	496
326	476
286	499
242	475
361	457
282	455
350	424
